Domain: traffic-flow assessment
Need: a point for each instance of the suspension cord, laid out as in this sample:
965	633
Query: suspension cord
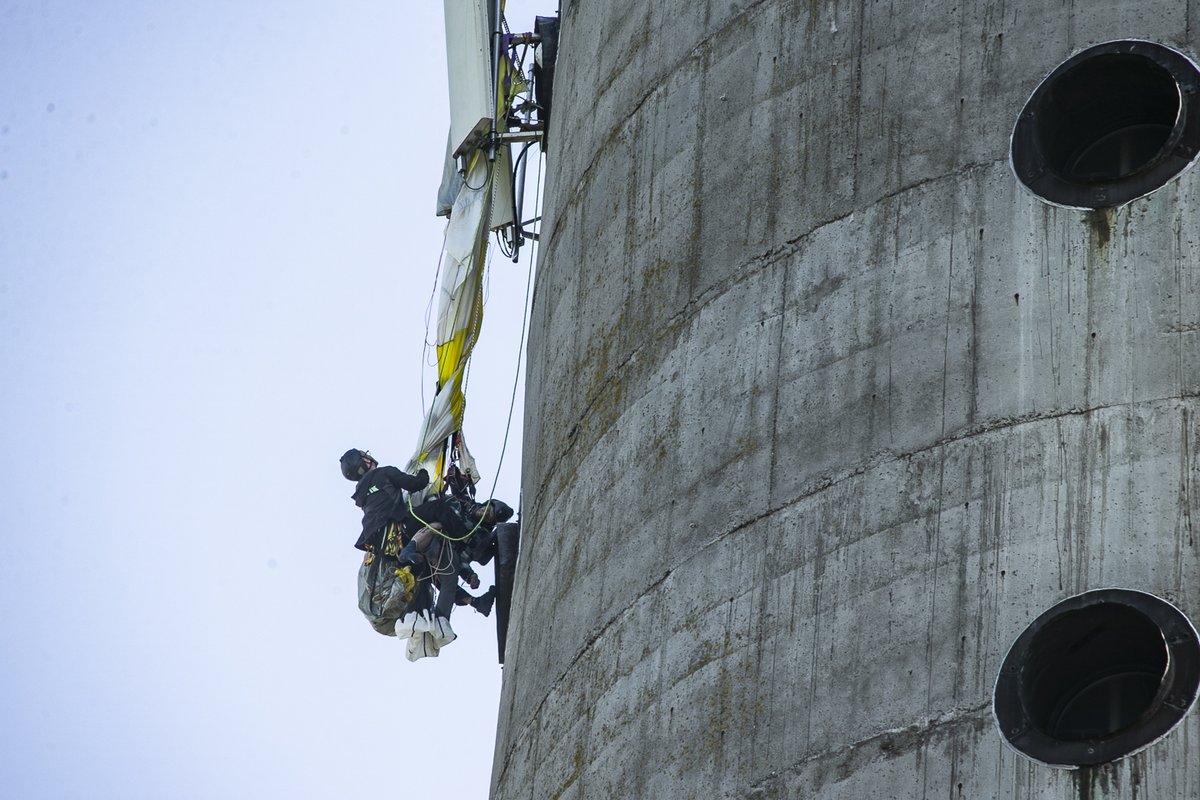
516	380
428	316
512	402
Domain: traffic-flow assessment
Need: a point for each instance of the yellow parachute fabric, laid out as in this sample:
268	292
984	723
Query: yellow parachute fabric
460	305
460	315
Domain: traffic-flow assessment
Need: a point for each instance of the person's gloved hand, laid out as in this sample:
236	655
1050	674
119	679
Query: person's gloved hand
423	477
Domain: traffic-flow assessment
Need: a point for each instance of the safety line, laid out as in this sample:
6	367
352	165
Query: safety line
512	402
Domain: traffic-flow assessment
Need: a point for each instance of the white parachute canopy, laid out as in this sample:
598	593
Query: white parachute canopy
478	96
460	314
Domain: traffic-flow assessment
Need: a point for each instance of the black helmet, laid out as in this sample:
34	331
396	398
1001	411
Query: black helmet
356	463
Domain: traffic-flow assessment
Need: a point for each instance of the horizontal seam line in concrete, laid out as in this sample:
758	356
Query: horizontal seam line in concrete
563	675
956	716
821	484
750	269
860	469
790	246
654	86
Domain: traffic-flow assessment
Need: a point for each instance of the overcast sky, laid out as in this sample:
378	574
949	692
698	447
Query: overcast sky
217	250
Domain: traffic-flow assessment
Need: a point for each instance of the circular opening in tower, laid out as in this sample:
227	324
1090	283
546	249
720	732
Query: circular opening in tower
1110	124
1107	117
1097	677
1093	672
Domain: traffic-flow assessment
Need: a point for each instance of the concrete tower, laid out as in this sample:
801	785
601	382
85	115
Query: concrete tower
827	407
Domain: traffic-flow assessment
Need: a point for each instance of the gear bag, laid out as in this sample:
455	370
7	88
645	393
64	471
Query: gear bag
384	587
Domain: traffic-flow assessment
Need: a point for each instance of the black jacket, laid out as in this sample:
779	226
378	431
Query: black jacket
441	510
380	494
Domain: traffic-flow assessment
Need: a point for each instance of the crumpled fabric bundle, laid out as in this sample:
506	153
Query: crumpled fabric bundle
384	590
426	634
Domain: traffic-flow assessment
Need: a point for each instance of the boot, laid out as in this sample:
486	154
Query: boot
408	556
483	603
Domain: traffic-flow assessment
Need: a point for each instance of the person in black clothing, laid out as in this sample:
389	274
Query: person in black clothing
433	532
480	519
417	549
385	585
379	493
480	547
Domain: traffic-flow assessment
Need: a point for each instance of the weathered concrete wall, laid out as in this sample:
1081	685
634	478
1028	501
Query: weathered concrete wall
824	409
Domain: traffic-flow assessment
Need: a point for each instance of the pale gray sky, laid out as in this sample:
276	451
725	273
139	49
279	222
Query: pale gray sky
217	248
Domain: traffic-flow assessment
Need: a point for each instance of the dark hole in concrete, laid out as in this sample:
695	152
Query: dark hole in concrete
1097	677
1107	117
1110	124
1093	672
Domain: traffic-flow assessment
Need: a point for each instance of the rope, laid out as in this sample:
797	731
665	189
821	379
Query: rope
445	536
425	348
442	567
512	402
